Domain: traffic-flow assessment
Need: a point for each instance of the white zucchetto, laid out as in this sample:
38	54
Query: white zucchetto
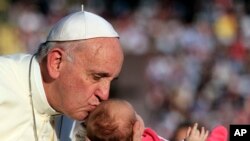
81	25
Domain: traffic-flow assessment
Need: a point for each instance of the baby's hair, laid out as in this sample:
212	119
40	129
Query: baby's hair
108	124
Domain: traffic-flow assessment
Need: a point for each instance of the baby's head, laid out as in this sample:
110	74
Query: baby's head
112	120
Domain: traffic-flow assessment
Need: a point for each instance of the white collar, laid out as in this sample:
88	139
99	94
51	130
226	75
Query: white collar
39	97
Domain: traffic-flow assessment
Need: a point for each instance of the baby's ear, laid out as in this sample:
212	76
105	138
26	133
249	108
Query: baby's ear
219	133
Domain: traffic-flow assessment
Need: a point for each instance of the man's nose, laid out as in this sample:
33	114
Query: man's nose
103	93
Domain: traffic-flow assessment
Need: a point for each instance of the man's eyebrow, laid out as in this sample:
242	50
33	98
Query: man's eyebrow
105	74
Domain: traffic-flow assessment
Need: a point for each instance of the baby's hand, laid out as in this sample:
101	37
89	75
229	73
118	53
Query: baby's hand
193	134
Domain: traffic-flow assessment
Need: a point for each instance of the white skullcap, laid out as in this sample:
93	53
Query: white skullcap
81	25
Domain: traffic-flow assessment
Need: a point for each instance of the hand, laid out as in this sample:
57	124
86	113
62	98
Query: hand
193	134
138	129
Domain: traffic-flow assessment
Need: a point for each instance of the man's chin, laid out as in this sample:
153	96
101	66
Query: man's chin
84	117
80	117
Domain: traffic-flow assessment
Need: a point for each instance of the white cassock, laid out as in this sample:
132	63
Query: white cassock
16	119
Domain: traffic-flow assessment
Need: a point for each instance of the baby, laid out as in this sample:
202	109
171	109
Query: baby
113	120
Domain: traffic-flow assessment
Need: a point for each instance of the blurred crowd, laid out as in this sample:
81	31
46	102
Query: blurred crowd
196	52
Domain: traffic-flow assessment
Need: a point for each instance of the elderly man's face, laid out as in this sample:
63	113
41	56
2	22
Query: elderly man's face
86	80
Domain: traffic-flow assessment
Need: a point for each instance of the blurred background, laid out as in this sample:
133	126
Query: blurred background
185	60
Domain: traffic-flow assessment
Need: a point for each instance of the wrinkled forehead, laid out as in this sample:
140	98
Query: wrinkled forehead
101	54
99	45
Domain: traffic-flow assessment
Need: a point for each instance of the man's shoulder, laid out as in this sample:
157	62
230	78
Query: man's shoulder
13	62
14	57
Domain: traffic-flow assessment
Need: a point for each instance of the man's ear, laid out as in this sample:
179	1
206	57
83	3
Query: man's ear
54	62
